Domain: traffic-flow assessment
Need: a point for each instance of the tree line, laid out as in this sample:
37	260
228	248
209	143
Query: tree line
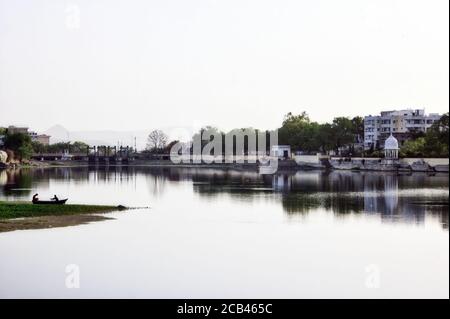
157	142
307	136
297	130
23	147
342	136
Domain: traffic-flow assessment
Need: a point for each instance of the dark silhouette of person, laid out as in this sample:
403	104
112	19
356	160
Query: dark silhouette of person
55	198
35	198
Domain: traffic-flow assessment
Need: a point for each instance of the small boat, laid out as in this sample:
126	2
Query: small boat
51	202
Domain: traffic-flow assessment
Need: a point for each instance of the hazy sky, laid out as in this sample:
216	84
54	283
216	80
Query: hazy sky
110	64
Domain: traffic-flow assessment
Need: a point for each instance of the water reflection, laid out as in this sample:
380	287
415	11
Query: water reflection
395	198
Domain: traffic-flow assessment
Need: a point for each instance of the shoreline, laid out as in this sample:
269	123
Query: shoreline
46	222
284	165
24	215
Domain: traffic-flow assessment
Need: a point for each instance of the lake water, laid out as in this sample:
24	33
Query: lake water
219	234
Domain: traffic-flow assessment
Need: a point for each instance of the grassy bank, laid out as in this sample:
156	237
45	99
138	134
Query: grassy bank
9	210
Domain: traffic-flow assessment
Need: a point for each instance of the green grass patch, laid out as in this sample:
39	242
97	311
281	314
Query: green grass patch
10	210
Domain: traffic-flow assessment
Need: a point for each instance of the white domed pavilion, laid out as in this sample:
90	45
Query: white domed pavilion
391	148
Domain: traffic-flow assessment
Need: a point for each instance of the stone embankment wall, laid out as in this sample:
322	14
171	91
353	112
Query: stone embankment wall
404	164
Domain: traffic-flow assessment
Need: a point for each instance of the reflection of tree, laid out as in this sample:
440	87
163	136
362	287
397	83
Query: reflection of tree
3	177
156	182
392	197
18	182
391	193
342	192
439	211
303	203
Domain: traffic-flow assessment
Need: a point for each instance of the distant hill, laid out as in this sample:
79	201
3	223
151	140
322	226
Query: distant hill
58	133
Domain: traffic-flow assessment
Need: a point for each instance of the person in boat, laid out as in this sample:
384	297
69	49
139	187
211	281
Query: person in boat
55	198
35	198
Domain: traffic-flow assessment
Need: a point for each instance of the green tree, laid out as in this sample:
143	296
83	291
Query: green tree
300	133
343	132
79	147
25	151
75	147
325	137
20	144
358	127
437	138
38	147
413	148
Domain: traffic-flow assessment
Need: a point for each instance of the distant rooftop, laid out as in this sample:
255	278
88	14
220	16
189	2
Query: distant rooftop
404	112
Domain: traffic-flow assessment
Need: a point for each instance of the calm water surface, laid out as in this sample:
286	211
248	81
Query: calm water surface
216	234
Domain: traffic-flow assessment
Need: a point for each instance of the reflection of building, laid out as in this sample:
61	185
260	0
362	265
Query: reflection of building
401	124
381	194
390	194
281	182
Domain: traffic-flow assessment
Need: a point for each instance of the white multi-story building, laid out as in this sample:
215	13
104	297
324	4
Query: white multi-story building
402	124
